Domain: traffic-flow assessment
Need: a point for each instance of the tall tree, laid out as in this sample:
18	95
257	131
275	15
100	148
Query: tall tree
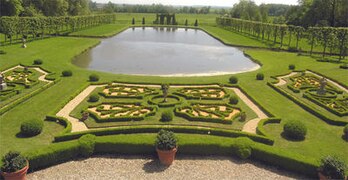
10	7
55	7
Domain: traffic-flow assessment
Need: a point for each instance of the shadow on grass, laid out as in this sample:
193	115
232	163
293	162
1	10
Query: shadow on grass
20	135
154	166
291	139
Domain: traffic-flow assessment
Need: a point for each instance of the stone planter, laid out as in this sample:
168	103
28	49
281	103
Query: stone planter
166	157
18	175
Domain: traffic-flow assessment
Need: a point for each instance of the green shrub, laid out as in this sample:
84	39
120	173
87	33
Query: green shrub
292	66
165	140
233	80
344	66
345	131
93	78
2	52
243	116
37	61
295	130
260	76
133	21
67	73
167	116
12	162
333	167
93	98
242	147
233	99
31	127
87	145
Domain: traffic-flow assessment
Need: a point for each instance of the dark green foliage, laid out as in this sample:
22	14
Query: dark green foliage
2	52
260	76
31	127
12	162
165	140
37	61
93	98
233	80
186	22
196	23
332	167
87	144
167	116
344	66
133	21
242	147
295	130
345	132
143	22
234	99
93	78
67	73
243	116
292	66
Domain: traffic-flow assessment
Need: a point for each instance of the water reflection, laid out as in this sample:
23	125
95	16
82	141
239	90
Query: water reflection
164	51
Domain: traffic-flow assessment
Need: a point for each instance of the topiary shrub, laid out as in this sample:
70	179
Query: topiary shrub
87	145
93	78
167	116
93	98
166	140
260	76
31	128
234	99
233	80
243	116
196	23
295	130
12	162
292	66
37	61
242	147
332	167
2	52
345	131
67	73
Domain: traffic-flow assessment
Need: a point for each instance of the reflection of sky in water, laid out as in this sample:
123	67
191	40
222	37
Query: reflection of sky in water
153	51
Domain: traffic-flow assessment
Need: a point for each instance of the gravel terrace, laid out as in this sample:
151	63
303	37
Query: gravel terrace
147	167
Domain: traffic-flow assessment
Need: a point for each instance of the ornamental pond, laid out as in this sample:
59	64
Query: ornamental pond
165	51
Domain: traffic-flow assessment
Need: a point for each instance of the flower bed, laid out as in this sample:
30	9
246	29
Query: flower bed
217	113
208	93
120	91
307	81
107	112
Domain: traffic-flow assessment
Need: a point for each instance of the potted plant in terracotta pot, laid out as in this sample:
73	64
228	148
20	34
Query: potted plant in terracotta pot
331	168
166	146
14	166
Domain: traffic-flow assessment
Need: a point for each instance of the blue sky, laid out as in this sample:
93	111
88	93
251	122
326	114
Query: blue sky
196	2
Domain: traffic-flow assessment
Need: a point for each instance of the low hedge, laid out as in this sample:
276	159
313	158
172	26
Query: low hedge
260	126
168	104
191	145
192	97
156	128
307	108
62	121
313	99
201	119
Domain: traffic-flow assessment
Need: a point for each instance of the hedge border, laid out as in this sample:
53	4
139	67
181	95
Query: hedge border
191	97
260	126
66	151
62	121
156	128
173	104
317	102
139	96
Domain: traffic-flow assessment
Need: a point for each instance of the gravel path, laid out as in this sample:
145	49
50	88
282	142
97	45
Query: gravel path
281	79
185	167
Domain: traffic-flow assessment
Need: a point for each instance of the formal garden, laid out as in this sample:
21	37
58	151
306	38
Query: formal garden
290	110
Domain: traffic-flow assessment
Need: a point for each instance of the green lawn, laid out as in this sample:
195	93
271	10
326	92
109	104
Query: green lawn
105	30
58	52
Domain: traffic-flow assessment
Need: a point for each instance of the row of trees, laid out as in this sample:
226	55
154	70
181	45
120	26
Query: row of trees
335	39
44	7
153	8
41	26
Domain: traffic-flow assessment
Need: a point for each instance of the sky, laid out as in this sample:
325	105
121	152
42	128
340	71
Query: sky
228	3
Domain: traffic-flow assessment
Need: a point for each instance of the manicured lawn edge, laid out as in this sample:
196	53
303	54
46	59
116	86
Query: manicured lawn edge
99	36
144	145
307	107
260	129
62	121
156	128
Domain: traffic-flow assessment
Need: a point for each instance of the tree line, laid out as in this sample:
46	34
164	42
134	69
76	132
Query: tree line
38	27
334	39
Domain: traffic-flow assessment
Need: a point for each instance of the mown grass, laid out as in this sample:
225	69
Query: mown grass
57	54
105	30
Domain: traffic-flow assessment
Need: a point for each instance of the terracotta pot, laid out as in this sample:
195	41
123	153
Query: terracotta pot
166	157
322	176
18	175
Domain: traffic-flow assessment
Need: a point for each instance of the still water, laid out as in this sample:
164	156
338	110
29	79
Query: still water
165	52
